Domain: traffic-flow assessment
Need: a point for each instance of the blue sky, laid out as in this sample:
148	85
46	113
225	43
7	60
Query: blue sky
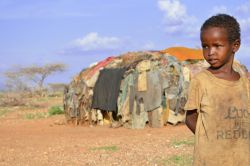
80	32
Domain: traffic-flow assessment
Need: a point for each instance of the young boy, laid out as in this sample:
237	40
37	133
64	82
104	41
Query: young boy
218	102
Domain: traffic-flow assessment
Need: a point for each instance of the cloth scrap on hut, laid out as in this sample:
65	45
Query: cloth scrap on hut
107	89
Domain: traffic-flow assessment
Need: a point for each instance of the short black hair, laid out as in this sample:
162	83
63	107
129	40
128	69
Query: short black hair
224	21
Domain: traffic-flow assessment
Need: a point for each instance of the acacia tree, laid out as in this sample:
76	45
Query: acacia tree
57	87
35	74
38	74
15	80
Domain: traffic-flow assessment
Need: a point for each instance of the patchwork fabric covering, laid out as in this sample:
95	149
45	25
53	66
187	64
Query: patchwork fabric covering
132	90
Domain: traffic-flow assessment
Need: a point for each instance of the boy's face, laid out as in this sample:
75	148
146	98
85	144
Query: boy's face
217	50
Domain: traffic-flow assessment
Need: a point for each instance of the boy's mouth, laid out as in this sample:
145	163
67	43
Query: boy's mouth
213	61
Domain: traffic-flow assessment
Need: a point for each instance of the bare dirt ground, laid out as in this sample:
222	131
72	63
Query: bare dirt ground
47	141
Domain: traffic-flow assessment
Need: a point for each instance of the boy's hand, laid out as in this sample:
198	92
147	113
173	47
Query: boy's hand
191	119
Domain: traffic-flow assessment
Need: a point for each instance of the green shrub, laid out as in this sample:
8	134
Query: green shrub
37	115
55	110
106	148
41	115
30	116
178	143
178	160
3	111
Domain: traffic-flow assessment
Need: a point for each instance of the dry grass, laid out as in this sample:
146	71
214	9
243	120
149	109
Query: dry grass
183	142
29	107
106	148
178	160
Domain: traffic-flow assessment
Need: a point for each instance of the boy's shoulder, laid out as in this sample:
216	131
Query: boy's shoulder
205	77
200	79
201	75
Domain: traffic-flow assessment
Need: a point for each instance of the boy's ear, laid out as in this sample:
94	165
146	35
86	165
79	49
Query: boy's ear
236	45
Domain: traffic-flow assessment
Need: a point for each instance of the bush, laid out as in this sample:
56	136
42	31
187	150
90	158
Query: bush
3	111
178	160
29	116
38	115
55	110
12	99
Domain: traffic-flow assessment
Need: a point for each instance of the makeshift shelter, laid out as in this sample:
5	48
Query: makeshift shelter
132	90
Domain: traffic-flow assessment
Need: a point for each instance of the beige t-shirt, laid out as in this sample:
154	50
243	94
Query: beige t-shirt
223	126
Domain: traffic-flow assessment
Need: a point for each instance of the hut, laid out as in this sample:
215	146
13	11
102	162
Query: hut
134	89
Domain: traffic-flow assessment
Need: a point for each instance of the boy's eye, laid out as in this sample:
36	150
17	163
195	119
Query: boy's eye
217	45
204	46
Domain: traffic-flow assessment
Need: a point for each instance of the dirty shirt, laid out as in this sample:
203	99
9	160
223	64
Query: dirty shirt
222	135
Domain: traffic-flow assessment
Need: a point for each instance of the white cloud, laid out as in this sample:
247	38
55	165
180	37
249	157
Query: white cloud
219	9
245	23
244	8
93	41
243	55
176	18
95	44
243	17
173	9
148	46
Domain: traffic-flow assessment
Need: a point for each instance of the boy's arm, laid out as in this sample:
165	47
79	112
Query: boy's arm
191	119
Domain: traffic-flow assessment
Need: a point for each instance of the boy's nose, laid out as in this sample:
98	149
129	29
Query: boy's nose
211	51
